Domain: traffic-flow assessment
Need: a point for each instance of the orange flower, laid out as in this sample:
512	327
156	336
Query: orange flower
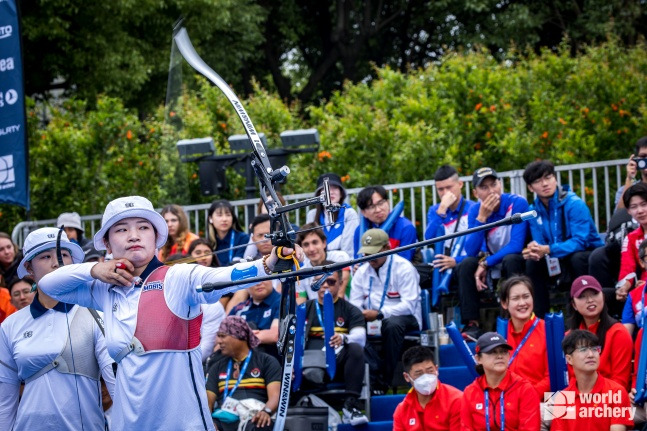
585	110
223	126
171	114
152	130
488	135
478	106
129	135
345	178
141	163
492	108
561	120
544	135
194	176
622	113
614	106
323	155
417	223
477	146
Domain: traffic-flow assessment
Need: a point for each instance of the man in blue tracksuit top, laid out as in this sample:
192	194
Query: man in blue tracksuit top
374	205
563	234
500	248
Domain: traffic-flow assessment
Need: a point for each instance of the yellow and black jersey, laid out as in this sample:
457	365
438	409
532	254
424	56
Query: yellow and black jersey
347	316
261	370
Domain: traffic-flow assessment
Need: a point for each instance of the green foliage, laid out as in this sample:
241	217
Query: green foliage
469	110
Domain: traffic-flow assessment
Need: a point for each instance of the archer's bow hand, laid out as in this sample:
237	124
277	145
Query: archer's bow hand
286	252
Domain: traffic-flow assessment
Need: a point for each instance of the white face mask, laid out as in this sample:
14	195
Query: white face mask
426	384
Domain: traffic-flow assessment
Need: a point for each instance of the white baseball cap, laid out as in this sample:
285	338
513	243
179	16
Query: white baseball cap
131	206
44	239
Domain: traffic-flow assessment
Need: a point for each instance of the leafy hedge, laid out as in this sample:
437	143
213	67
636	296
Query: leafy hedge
468	110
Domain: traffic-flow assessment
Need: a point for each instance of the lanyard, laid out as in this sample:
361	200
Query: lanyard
523	341
487	411
231	245
240	377
318	310
386	286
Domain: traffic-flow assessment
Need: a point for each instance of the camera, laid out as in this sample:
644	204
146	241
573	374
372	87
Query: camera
642	163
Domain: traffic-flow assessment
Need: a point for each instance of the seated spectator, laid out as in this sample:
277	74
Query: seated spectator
200	250
245	375
258	229
179	237
563	234
73	227
9	257
374	205
346	220
448	216
388	293
350	338
225	232
261	311
313	243
526	333
92	254
491	254
636	202
582	350
587	310
498	399
21	292
6	304
604	262
632	314
430	405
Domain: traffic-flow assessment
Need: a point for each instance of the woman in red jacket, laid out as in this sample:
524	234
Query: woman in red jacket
499	399
588	311
526	333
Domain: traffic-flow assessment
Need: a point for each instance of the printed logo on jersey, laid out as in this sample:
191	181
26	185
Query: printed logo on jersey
255	372
340	321
153	285
28	334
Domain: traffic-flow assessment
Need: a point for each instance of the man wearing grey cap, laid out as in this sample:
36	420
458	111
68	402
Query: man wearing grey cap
387	290
491	254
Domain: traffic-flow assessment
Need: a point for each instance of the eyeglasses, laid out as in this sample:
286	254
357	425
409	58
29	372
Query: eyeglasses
641	205
592	349
538	181
382	203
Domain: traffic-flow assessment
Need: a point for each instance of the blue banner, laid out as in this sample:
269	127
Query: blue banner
14	176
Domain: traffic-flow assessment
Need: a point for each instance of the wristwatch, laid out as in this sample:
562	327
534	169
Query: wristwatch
380	316
267	410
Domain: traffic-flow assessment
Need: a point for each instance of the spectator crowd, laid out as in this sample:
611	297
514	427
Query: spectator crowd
47	313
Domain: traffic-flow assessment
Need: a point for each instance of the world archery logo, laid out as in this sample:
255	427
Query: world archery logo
28	334
559	405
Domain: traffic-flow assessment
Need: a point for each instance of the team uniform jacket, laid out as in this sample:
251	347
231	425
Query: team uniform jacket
521	405
402	294
142	398
304	288
32	338
599	423
240	238
403	232
442	412
448	223
339	236
615	359
634	308
566	225
502	240
531	363
629	258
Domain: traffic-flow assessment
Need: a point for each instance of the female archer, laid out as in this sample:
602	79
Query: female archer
152	314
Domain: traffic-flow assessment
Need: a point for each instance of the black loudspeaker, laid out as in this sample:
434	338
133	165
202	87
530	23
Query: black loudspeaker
307	419
213	180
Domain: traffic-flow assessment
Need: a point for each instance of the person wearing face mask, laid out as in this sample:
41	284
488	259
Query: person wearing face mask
526	333
499	399
430	404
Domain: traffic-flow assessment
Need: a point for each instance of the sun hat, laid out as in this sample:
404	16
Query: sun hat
44	239
72	220
126	207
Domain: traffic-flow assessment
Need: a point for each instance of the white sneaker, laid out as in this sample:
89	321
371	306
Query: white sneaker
354	417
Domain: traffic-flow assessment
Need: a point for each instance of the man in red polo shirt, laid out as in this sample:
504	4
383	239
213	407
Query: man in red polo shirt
590	402
429	405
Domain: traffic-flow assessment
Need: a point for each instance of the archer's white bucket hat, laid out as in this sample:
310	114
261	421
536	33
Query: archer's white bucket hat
44	239
131	206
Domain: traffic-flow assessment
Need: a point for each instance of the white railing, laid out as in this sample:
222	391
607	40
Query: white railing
596	183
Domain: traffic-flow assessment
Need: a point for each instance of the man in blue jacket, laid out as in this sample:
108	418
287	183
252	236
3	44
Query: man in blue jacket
563	234
491	254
